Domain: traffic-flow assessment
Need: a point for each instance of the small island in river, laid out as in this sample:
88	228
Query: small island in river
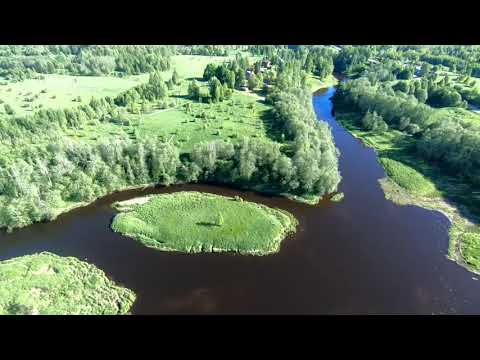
201	222
46	284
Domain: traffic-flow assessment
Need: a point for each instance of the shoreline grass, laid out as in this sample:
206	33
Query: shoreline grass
209	223
309	199
48	284
411	181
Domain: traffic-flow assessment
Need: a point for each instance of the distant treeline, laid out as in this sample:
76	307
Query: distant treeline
210	50
19	62
449	143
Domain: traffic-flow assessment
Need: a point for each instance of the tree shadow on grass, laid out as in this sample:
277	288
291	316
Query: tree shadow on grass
194	78
206	223
272	132
179	96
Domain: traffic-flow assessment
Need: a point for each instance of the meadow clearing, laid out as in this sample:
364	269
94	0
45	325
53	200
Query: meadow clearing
62	91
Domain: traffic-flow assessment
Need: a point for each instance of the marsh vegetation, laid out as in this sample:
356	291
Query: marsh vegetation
194	222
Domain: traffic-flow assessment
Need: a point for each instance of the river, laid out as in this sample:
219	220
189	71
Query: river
364	255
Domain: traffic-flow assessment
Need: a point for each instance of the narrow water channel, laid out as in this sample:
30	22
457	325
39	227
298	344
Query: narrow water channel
364	255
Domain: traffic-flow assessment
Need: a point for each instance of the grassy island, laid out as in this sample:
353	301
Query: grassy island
47	284
199	222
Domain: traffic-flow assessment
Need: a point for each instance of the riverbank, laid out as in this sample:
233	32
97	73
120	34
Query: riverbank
209	223
316	84
424	186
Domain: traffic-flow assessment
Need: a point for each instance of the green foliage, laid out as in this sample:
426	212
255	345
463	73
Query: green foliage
374	122
470	248
209	50
253	82
456	147
47	284
8	109
19	62
175	77
55	159
194	90
405	74
215	89
437	167
337	197
444	97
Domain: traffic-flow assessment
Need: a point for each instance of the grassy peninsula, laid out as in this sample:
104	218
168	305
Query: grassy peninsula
47	284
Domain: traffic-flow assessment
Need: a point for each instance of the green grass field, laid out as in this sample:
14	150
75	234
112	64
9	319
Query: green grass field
61	90
243	115
192	66
47	284
209	223
465	115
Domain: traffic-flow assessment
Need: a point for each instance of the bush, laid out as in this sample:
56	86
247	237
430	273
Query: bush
8	109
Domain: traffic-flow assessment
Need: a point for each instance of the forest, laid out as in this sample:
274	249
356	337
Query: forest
385	100
48	172
19	62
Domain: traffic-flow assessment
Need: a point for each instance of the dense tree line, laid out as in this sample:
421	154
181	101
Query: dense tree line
22	62
210	50
154	89
319	61
231	74
453	146
64	172
408	106
397	109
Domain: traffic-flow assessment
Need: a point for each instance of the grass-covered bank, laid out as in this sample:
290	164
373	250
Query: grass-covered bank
195	222
315	83
47	284
412	181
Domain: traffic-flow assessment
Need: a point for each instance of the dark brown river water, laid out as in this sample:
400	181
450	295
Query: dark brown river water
364	255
